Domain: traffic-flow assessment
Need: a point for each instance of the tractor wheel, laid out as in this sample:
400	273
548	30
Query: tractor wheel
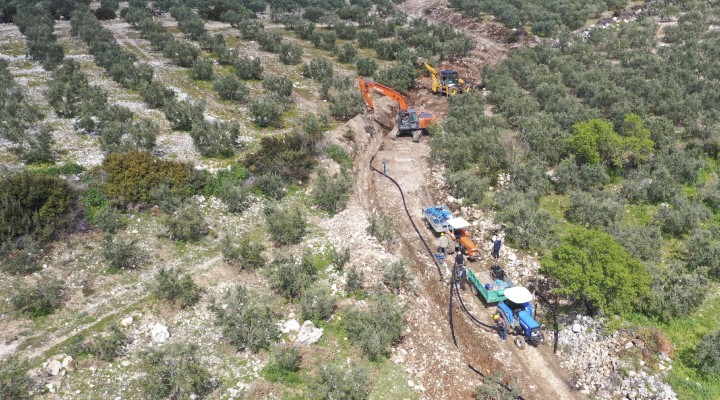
427	224
520	343
467	88
452	91
473	289
417	135
542	338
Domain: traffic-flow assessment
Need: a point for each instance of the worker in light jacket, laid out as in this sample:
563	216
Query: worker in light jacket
442	244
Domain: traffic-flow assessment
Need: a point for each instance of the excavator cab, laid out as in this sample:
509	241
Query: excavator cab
449	77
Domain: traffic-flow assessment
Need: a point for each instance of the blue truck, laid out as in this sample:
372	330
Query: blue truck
514	305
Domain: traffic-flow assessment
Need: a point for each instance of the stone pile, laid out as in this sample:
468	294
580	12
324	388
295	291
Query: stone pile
594	358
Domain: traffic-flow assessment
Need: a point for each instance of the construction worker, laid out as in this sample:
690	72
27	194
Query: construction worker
459	266
502	328
442	244
497	243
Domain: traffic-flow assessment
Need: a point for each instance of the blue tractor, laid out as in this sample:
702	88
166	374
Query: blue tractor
518	313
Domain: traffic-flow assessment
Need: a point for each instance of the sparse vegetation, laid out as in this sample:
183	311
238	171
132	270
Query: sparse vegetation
285	225
378	327
246	321
317	303
186	224
39	298
247	253
174	371
15	384
120	253
380	226
340	381
177	287
396	276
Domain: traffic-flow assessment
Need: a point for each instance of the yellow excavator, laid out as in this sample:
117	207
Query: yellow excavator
447	82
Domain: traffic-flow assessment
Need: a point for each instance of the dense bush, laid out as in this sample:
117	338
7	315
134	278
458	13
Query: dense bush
290	276
15	384
682	217
290	54
229	87
32	204
283	366
317	303
285	225
175	371
130	177
400	77
596	271
397	276
346	53
527	225
202	70
376	328
569	176
354	280
236	197
20	256
247	254
468	186
120	253
269	41
182	114
367	38
40	298
246	321
596	209
248	68
318	68
215	139
186	224
266	111
641	242
177	287
669	297
330	193
703	251
278	86
366	66
290	156
108	345
346	105
271	185
707	353
342	381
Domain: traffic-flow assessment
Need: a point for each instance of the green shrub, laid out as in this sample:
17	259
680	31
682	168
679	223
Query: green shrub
248	254
317	303
278	86
120	253
36	146
271	185
330	193
109	220
596	271
397	276
378	327
290	276
354	280
346	105
120	137
20	256
669	296
246	321
366	66
215	139
266	111
318	68
202	70
236	197
269	41
346	53
32	204
285	225
682	217
304	29
707	353
380	226
467	185
342	381
400	77
641	242
339	155
345	31
570	176
109	345
177	287
290	54
249	28
186	224
703	251
182	114
339	258
165	199
291	156
230	87
491	390
248	68
38	299
155	94
283	366
174	371
367	38
15	384
599	209
131	177
527	225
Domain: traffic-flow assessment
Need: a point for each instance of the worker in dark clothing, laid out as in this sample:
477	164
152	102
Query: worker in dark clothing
496	247
502	327
459	266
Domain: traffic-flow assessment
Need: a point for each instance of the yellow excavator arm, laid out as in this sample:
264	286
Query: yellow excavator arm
434	75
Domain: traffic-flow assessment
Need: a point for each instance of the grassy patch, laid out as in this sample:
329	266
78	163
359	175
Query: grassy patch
638	215
390	382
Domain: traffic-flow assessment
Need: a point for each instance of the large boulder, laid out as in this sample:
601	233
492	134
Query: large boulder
159	333
309	334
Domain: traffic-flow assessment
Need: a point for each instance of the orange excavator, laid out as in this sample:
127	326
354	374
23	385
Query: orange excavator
409	121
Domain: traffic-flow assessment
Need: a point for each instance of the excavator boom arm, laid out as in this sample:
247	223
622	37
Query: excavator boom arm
366	86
